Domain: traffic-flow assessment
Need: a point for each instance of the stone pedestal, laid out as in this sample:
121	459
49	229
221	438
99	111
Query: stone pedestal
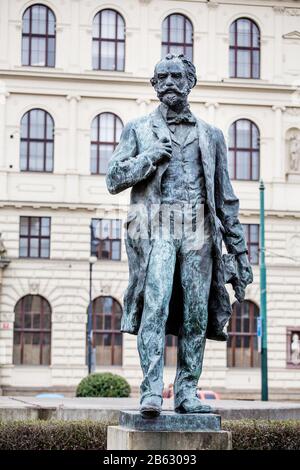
169	431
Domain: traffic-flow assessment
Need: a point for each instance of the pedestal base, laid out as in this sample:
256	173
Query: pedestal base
169	431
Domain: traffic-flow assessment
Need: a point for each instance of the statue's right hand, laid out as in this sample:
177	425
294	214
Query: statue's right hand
160	150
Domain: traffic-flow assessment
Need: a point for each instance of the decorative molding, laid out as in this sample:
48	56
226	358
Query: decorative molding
211	103
292	11
292	35
140	101
73	97
39	188
293	111
293	150
279	9
278	107
105	289
33	286
212	4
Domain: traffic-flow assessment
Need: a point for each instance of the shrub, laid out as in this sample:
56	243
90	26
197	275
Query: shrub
53	435
264	435
103	385
91	435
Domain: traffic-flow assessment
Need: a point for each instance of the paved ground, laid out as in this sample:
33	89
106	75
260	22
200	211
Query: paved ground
104	409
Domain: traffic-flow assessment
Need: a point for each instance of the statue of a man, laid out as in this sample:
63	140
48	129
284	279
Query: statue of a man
170	157
3	250
295	152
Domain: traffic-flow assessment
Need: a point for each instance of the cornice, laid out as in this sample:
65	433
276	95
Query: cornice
129	80
270	213
245	212
55	206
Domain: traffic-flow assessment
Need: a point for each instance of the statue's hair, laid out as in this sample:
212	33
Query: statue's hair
188	65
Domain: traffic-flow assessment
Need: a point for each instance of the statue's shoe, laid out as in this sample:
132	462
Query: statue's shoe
151	406
192	405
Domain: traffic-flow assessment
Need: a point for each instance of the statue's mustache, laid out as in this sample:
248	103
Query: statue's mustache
171	90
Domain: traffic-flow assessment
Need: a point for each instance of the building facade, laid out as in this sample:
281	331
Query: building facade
72	73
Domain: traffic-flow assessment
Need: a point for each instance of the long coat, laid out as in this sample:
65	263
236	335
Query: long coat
130	166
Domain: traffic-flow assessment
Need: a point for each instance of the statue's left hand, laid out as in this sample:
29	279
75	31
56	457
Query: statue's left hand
245	275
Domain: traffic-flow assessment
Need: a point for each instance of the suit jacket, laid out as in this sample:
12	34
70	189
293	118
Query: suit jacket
131	166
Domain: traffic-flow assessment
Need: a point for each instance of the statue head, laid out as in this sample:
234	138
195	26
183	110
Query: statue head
174	77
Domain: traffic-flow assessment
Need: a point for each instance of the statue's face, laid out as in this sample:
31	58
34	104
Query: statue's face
172	86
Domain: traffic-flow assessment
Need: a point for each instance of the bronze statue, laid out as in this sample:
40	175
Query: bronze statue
172	158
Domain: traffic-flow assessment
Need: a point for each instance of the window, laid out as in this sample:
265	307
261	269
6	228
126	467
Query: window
243	158
108	41
38	36
106	239
34	237
177	36
107	338
37	141
293	347
252	239
244	50
242	350
106	131
32	331
171	351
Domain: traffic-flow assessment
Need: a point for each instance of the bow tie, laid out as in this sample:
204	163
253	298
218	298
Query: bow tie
184	118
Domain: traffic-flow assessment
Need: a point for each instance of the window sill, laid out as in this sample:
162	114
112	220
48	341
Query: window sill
38	68
35	366
242	369
243	80
245	181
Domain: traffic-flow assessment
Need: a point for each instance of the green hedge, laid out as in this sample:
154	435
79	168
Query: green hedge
103	384
53	435
91	435
263	434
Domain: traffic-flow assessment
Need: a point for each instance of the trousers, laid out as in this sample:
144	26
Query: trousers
195	275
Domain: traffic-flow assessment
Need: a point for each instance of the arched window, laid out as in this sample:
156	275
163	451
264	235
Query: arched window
107	338
108	41
38	36
32	331
177	36
243	161
242	345
171	351
244	49
37	141
106	131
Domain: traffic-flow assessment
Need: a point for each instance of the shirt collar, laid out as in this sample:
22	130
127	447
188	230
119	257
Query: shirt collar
171	116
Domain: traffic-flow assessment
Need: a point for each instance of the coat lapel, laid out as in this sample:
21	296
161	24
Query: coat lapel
207	162
159	125
192	135
160	129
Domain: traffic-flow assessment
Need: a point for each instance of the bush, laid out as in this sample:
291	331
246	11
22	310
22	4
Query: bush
91	435
103	385
264	435
53	435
